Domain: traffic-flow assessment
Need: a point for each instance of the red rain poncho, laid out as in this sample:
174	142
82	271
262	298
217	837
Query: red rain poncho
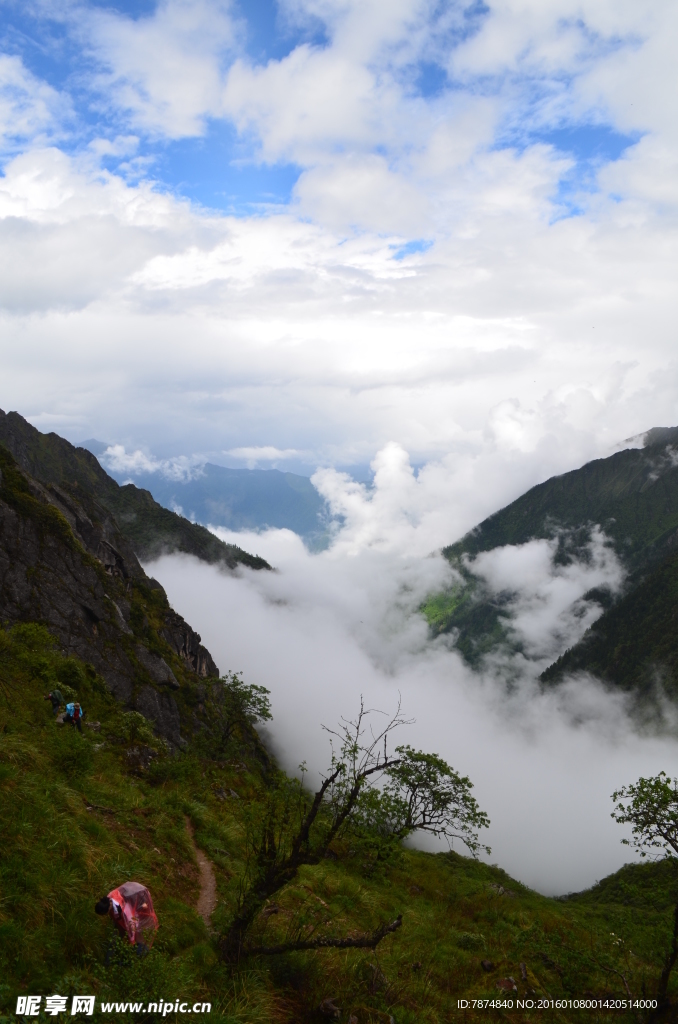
137	918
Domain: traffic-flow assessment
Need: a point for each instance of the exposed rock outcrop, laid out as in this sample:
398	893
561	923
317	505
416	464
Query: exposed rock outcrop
64	562
188	645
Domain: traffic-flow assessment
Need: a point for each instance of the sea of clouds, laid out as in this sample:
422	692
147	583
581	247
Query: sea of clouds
324	629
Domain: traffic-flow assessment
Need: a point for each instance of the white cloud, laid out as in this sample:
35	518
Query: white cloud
277	249
516	346
363	191
338	626
256	454
73	232
138	463
542	602
30	109
545	610
166	70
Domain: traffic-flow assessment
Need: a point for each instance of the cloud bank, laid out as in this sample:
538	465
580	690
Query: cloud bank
544	604
181	468
326	629
473	256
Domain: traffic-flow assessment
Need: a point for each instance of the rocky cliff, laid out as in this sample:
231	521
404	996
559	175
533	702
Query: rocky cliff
65	563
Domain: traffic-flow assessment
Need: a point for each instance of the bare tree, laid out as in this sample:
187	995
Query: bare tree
366	786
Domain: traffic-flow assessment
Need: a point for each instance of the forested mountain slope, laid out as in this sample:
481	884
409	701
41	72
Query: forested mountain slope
634	644
151	529
632	496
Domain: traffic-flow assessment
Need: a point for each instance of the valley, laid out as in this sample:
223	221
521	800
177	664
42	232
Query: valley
170	781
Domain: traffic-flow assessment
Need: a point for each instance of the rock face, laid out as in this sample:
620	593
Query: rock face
65	563
187	644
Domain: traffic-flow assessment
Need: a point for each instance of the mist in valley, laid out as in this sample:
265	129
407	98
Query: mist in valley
324	629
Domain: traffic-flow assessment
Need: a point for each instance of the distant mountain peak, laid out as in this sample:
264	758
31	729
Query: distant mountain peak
92	445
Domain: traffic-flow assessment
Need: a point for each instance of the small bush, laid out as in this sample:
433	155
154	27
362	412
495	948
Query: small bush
144	978
72	754
470	940
134	728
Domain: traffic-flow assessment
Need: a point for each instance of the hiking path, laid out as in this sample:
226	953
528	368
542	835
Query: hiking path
207	900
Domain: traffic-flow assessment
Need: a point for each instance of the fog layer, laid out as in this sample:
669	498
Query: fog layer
326	628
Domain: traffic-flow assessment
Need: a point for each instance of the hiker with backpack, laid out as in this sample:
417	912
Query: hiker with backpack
130	907
57	700
74	715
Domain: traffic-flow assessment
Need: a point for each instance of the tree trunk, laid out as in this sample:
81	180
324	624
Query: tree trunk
669	962
252	903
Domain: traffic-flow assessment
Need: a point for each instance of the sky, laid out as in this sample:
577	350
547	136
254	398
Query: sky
292	233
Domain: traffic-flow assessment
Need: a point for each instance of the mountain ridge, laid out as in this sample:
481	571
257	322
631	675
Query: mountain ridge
633	496
151	529
244	499
612	492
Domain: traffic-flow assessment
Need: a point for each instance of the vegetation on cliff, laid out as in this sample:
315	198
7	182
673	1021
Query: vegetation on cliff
64	563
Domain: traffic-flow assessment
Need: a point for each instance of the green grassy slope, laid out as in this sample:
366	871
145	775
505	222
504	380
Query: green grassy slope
79	814
150	528
472	613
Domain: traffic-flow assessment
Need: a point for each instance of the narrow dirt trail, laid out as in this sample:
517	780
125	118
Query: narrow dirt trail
207	900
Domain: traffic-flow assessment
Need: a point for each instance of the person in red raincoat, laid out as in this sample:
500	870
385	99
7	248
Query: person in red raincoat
131	908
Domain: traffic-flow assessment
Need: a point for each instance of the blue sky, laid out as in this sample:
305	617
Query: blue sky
291	233
216	168
222	167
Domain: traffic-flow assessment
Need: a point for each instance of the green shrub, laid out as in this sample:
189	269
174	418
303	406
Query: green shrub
134	728
470	940
71	675
71	753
